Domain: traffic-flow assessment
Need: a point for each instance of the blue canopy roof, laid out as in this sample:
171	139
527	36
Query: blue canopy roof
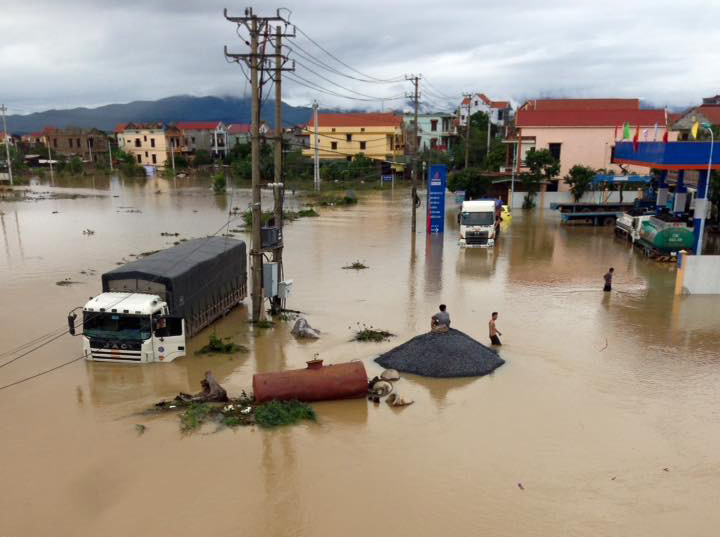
622	179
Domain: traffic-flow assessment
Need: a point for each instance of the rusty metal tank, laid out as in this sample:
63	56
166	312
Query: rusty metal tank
315	383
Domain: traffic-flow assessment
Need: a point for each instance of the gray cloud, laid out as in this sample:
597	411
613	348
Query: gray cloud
86	53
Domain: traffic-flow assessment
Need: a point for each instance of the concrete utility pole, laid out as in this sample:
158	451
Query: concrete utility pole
255	60
172	154
467	96
110	154
3	109
415	147
487	152
52	176
89	144
316	141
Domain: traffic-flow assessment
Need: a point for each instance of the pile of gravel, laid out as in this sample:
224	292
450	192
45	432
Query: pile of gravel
450	354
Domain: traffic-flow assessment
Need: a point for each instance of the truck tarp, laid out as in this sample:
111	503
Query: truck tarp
188	276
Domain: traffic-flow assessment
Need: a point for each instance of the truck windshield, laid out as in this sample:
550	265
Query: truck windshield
116	326
477	219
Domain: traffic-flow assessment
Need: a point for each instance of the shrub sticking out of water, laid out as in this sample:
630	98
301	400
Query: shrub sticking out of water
264	323
194	416
219	183
217	345
368	333
356	265
308	213
276	413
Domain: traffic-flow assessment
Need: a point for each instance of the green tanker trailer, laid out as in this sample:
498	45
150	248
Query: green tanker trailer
663	236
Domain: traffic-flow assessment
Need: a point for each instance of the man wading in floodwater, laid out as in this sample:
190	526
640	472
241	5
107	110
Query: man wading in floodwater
440	322
494	332
608	280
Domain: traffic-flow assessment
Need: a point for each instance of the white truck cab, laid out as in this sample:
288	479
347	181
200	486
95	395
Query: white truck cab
131	327
478	224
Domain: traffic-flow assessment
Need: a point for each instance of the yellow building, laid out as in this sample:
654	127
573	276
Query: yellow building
378	136
147	142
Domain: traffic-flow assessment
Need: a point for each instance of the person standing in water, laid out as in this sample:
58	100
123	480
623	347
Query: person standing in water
494	332
608	280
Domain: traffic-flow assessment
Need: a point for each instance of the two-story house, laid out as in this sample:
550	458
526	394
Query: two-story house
147	142
378	136
500	112
88	144
208	136
435	130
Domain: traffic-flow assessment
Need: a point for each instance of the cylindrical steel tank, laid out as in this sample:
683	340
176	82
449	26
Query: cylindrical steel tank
316	383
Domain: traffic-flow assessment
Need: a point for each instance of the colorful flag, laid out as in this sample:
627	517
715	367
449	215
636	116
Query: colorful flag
655	133
636	139
694	129
645	134
665	137
626	131
616	130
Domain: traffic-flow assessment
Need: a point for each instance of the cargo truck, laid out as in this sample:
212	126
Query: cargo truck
478	224
150	307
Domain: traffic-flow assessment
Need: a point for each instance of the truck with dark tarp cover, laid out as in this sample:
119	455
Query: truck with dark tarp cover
149	306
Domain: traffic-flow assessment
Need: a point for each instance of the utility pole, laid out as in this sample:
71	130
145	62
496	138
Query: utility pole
255	60
89	144
172	154
317	148
487	152
110	154
467	96
279	185
52	176
3	109
415	149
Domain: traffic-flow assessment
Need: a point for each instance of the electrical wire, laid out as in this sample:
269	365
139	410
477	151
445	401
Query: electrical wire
368	78
41	373
374	97
313	86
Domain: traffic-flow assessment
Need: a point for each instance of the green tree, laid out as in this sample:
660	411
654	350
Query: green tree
75	166
219	183
543	166
580	179
477	142
474	181
202	158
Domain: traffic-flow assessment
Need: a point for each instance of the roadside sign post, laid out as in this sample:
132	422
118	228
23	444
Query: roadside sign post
437	181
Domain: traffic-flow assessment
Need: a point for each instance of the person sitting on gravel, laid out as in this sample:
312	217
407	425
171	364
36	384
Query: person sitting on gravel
440	322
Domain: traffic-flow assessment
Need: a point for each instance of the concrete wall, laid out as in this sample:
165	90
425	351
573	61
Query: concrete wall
544	199
698	275
591	146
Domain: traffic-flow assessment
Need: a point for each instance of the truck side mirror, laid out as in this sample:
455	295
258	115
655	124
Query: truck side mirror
71	323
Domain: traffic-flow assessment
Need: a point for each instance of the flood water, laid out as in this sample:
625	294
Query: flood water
607	410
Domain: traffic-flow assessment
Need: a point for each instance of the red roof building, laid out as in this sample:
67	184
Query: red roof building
582	131
499	112
357	120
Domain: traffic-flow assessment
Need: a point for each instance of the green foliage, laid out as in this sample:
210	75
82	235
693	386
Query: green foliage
580	178
128	165
194	416
202	158
496	158
264	323
75	166
219	183
356	265
543	167
471	180
217	345
277	413
302	213
477	142
368	333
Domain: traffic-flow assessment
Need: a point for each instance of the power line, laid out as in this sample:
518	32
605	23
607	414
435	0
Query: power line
41	373
339	85
367	77
313	86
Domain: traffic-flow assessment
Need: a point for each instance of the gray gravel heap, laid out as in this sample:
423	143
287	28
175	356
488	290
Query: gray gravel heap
452	354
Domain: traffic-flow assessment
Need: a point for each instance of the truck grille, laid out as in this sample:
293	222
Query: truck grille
476	237
115	350
102	354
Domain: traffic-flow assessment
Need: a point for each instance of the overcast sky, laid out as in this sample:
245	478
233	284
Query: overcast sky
67	53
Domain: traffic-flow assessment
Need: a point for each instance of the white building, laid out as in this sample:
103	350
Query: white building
500	112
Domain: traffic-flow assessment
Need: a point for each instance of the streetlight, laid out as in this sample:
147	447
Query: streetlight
702	209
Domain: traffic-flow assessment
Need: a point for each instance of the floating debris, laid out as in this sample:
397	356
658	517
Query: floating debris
395	399
303	329
442	355
390	374
356	265
140	428
88	232
217	346
368	333
66	281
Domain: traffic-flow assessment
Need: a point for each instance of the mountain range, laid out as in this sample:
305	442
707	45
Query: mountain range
169	110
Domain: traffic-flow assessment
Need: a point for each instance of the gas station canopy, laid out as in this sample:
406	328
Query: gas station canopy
667	155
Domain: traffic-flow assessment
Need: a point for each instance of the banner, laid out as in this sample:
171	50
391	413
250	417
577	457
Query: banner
437	179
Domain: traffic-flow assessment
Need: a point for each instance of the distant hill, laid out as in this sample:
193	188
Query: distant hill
169	109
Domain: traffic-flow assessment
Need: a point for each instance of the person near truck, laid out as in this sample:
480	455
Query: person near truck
494	332
440	322
608	280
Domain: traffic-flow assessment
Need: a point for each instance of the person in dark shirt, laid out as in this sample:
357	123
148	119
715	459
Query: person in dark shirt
608	280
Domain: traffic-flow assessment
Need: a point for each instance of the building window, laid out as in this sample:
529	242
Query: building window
90	141
70	141
500	115
146	154
54	142
433	143
152	142
476	103
462	117
362	129
333	145
139	157
154	158
137	142
144	138
433	124
192	139
362	145
332	130
348	158
78	143
555	150
348	137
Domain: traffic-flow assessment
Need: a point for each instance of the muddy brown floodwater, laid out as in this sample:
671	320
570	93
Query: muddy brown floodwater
607	411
